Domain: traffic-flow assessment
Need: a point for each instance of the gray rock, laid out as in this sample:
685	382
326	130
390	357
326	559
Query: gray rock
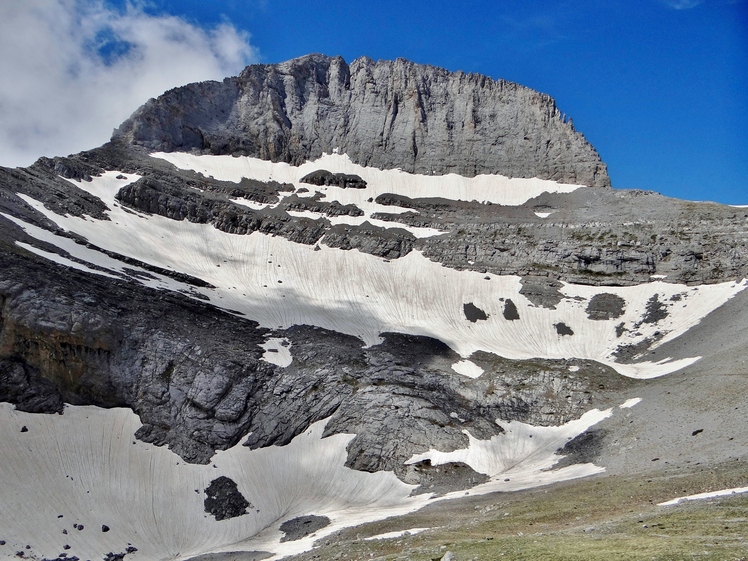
301	527
605	306
223	499
342	180
386	114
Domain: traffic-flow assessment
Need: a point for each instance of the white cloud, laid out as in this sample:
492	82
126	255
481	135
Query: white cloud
72	70
683	4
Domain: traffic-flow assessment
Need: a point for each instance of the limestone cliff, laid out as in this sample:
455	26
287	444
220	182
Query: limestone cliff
386	114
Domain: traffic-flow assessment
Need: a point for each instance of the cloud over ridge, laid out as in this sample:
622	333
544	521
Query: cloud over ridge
75	69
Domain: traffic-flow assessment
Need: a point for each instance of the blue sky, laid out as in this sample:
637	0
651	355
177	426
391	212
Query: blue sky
659	87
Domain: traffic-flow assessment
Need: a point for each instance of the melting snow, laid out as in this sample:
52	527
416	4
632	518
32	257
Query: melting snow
467	368
87	466
277	351
520	457
710	495
521	448
496	189
280	283
400	534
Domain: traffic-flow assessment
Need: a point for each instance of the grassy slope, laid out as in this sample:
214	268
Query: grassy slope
604	517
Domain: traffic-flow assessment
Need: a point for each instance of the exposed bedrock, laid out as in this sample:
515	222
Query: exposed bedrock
593	236
641	233
386	114
600	237
184	367
195	375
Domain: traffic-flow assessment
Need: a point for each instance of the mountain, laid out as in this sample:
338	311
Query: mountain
389	115
317	295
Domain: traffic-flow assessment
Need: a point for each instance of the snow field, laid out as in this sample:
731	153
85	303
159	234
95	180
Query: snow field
496	189
86	466
280	283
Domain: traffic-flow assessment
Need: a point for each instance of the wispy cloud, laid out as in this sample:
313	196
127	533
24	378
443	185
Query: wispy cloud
535	31
72	70
683	4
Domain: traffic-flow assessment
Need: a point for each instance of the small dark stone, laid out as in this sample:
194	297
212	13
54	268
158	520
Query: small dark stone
697	431
131	549
2	542
65	532
80	527
563	329
104	528
24	428
66	547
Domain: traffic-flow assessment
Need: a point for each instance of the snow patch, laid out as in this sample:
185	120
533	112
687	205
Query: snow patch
496	189
277	351
629	403
467	368
358	220
252	204
647	370
709	495
400	534
520	448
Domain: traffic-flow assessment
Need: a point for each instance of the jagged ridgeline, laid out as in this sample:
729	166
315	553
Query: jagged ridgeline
386	114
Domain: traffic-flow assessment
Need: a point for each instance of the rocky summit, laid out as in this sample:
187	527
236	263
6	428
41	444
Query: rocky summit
321	294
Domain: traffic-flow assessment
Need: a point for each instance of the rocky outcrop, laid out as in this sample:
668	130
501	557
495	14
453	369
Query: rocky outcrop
386	114
599	237
195	376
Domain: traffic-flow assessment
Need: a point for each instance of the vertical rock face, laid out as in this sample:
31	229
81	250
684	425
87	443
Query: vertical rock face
386	114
